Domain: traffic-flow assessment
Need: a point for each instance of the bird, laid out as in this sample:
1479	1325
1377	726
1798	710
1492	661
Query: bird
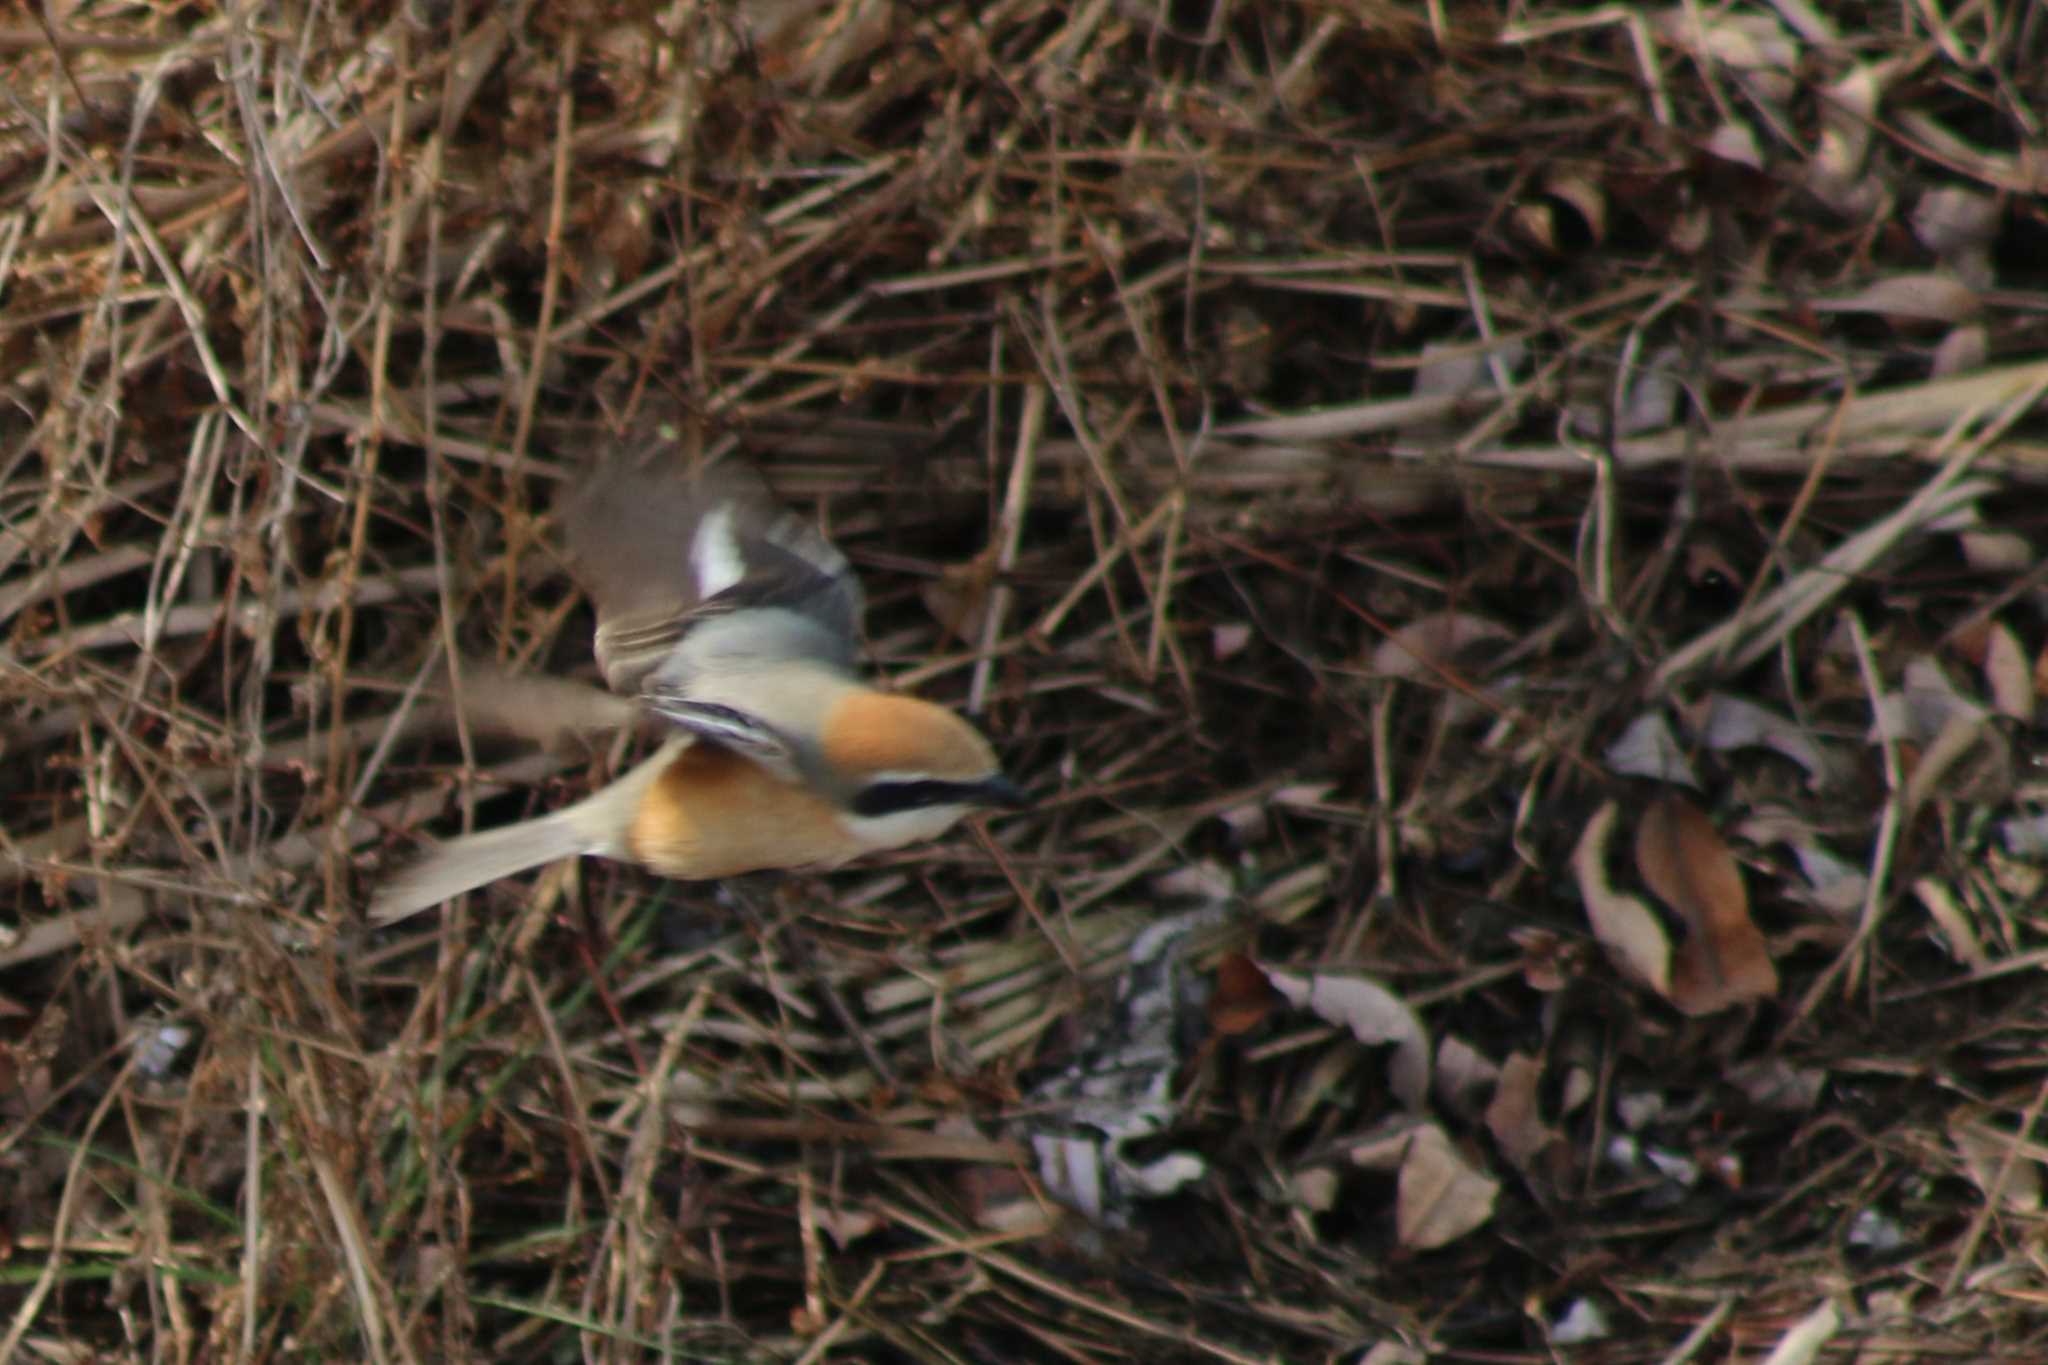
734	624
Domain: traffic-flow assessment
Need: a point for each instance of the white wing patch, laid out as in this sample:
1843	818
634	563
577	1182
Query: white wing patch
901	827
715	553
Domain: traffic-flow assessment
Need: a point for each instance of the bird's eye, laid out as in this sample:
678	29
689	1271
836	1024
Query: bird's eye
888	798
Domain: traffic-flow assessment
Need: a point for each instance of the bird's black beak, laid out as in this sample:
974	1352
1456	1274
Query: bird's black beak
1001	793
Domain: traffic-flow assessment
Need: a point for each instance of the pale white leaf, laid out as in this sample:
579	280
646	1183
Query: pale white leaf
2010	674
1925	705
1073	1171
1874	1231
1514	1117
1638	1109
1579	1085
1651	402
847	1226
1585	196
1964	349
1836	885
1953	921
1808	22
1802	1344
1425	646
1439	1195
1726	722
1746	41
1850	104
1774	1083
1448	368
1582	1322
1164	1175
1374	1015
2025	836
1314	1189
1392	1353
1952	220
1647	748
1463	1075
1992	1164
1736	142
1934	295
1303	795
1627	928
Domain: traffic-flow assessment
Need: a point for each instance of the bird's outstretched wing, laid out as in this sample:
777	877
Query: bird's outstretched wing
664	553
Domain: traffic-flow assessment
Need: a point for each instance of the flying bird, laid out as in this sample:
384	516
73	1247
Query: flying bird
737	623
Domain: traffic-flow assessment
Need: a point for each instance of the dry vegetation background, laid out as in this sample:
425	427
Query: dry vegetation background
1504	534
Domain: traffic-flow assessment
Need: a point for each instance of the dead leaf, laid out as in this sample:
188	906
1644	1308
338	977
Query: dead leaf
1303	795
1707	562
1954	923
1548	962
1447	369
1586	198
1651	402
1745	41
1242	998
1774	1083
1728	722
2010	674
1926	704
1426	646
1647	748
1228	639
1835	885
1314	1189
1950	220
1439	1195
1626	928
1582	1322
1736	142
1968	759
1375	1015
1996	552
1683	859
847	1226
1849	105
1934	296
1463	1075
958	597
1392	1353
1988	1155
1514	1118
1536	221
1964	349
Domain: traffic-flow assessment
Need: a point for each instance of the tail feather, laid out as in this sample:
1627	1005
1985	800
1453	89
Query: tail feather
469	862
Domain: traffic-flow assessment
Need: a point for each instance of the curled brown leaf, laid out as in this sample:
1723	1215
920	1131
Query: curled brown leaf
1683	859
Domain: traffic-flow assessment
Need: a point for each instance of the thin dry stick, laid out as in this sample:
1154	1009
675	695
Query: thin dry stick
1702	1332
1009	536
67	1205
1058	1290
367	459
253	1101
1124	543
1877	893
843	1323
1737	644
2015	1153
308	1103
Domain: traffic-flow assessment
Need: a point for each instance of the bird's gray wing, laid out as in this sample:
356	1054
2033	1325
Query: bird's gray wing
663	552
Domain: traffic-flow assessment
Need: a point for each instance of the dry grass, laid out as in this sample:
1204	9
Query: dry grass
1124	338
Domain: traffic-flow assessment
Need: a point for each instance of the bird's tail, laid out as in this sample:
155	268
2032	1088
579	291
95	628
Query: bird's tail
464	864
